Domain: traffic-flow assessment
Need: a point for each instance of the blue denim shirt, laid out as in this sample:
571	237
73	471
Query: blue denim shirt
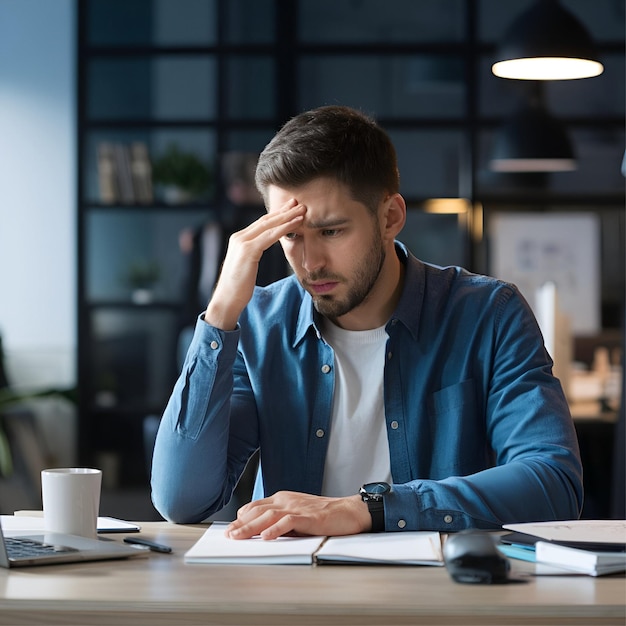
479	430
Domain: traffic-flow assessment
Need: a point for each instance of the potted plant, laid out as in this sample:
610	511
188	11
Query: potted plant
182	175
10	399
142	276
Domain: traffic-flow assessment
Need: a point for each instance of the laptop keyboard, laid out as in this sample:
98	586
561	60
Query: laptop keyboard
21	547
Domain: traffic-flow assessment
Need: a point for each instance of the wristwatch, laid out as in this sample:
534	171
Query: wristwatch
373	494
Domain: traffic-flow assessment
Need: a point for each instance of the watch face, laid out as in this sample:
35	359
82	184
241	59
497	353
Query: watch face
378	488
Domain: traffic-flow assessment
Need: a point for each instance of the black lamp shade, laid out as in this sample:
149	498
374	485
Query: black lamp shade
547	42
532	141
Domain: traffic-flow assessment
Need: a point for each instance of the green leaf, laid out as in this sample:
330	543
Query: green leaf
6	459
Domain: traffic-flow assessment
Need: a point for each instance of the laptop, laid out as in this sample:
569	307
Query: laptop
20	549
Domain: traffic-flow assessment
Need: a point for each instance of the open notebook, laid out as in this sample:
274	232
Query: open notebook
399	548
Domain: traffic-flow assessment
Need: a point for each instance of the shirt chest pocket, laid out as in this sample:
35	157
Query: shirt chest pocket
457	432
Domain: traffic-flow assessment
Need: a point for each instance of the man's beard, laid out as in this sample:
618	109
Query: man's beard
365	277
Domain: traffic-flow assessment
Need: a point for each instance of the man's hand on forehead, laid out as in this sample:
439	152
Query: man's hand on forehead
241	264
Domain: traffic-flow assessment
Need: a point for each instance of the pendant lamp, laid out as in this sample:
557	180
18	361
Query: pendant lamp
533	141
547	42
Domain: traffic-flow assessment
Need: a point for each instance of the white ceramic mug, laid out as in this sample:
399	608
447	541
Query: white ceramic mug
71	500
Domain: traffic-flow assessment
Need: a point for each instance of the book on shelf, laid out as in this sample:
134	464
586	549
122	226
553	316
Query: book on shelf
400	548
581	561
107	173
141	171
124	174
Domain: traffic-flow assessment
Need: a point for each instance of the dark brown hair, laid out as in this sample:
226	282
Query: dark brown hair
333	141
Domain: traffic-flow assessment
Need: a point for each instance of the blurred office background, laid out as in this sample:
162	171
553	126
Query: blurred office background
115	116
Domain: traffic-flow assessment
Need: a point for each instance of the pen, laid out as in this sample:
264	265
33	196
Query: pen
155	547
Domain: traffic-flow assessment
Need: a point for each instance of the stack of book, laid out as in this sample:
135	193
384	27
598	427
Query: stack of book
592	547
124	173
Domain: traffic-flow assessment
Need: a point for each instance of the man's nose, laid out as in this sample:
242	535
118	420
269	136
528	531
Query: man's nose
312	257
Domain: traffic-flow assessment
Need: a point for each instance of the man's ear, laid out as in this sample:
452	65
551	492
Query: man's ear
394	216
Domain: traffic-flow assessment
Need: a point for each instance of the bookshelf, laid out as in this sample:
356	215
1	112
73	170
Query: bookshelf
209	76
150	88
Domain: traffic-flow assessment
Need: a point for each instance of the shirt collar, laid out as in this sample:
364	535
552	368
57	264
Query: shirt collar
306	317
407	312
409	308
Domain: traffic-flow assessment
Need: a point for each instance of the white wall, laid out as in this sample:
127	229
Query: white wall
37	191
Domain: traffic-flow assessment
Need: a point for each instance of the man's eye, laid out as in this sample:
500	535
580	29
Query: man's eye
291	236
331	232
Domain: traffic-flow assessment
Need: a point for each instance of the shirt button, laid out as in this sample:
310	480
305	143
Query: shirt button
447	519
214	345
325	369
319	433
389	355
394	425
401	523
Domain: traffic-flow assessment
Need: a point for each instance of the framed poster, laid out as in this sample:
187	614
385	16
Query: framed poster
531	249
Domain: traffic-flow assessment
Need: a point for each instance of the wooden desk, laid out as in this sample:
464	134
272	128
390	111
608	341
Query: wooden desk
161	589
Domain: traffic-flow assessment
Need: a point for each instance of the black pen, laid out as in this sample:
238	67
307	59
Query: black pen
155	547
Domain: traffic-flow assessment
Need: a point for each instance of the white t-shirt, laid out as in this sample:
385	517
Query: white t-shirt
358	448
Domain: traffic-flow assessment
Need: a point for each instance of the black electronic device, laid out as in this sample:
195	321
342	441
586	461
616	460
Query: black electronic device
472	557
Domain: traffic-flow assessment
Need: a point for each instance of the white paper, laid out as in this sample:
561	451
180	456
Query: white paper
36	523
588	531
530	249
398	548
215	547
408	548
582	561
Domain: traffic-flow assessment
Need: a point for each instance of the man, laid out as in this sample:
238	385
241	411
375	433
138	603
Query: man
365	365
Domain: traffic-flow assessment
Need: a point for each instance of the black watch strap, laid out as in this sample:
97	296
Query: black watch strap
373	494
377	511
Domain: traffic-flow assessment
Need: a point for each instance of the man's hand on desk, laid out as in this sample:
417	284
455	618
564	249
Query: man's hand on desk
288	512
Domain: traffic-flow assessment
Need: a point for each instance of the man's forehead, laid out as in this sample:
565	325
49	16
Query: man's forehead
322	197
323	185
